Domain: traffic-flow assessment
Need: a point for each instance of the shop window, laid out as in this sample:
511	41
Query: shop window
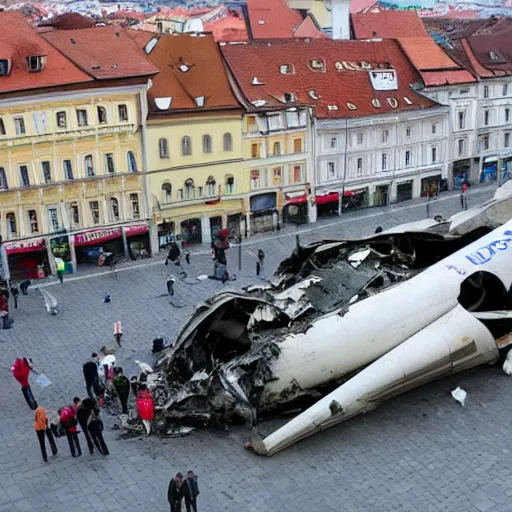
359	166
81	117
89	166
207	144
189	190
24	177
102	115
507	140
210	186
132	162
331	170
74	214
47	171
114	209
134	201
434	155
94	207
3	179
109	163
123	113
227	142
32	219
297	173
277	149
19	125
276	176
163	147
2	127
68	170
408	159
462	120
167	192
11	224
385	136
255	179
255	150
53	219
384	161
186	146
62	121
230	184
297	145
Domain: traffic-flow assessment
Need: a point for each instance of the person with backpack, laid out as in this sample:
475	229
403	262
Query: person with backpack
95	426
69	422
21	370
42	430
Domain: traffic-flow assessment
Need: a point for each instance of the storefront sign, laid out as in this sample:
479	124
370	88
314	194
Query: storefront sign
263	202
139	229
34	244
97	236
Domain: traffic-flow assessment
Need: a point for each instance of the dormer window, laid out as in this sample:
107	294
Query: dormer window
5	67
376	103
35	63
351	106
494	56
392	102
286	69
317	65
289	96
313	95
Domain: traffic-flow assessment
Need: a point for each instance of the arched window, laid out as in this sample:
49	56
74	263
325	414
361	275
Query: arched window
114	209
210	186
166	192
132	162
186	146
207	144
163	146
89	166
227	141
189	191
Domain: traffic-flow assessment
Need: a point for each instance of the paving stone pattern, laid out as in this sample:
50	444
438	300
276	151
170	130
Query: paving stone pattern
419	452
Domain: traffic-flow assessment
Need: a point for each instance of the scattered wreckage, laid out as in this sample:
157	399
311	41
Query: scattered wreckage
354	322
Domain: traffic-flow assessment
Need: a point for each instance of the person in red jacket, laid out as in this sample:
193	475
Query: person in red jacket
69	423
21	370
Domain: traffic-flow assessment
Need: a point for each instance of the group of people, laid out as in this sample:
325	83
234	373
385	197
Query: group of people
183	489
7	291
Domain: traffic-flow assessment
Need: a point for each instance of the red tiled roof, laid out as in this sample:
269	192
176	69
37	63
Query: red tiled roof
500	46
103	52
477	67
360	5
141	37
436	78
68	21
272	19
256	68
387	24
308	29
17	42
204	74
231	29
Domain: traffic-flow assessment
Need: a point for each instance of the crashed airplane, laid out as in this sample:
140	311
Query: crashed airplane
345	325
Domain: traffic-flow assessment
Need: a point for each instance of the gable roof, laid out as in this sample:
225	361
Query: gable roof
271	19
377	23
190	67
68	21
17	42
308	28
493	52
102	52
342	83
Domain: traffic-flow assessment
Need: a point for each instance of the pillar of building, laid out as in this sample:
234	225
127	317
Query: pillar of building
206	232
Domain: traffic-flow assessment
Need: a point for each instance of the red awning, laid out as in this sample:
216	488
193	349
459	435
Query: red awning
32	245
332	197
97	236
297	200
138	229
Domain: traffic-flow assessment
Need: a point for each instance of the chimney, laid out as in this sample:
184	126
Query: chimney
340	19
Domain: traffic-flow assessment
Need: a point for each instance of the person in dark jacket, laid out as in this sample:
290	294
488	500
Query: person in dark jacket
174	495
82	416
95	427
190	491
122	387
91	374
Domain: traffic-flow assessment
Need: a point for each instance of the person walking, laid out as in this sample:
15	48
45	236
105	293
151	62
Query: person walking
42	429
61	267
95	426
122	387
190	491
21	370
15	294
82	416
69	423
174	496
4	309
91	376
463	196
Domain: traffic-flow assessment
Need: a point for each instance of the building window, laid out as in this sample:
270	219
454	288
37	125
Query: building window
109	163
507	140
486	91
189	190
274	122
230	184
186	146
211	186
434	155
24	178
2	127
408	132
3	179
89	166
163	147
62	120
359	166
74	214
35	63
461	147
255	150
486	117
123	113
227	142
54	219
160	27
385	136
334	142
32	220
134	200
276	176
507	115
297	173
485	142
251	124
359	139
114	209
94	206
331	170
408	159
434	128
68	170
102	115
277	148
384	161
297	145
462	120
19	125
5	67
505	89
255	179
167	192
132	162
207	144
47	172
11	224
179	194
81	116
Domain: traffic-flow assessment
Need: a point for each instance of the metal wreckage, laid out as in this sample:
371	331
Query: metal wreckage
344	326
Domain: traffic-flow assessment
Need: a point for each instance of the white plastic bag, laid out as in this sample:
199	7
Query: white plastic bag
43	381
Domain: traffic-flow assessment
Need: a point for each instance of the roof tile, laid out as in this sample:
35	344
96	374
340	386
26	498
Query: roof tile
387	24
271	19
